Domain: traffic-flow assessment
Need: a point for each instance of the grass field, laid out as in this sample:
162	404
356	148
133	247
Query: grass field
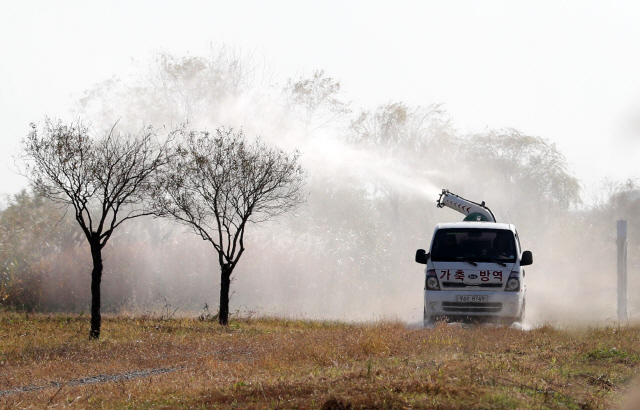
142	362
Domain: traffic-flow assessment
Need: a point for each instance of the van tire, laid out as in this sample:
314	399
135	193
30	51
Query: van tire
522	311
427	319
520	318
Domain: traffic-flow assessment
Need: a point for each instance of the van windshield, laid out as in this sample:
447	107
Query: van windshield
478	245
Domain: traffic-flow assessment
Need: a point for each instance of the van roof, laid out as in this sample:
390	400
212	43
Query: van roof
476	225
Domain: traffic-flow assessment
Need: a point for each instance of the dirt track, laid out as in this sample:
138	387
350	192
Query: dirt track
102	378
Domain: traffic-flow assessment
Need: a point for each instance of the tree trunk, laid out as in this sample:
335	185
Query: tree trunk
225	284
96	278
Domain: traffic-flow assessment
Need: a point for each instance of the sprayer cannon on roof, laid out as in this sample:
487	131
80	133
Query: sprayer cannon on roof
473	210
474	267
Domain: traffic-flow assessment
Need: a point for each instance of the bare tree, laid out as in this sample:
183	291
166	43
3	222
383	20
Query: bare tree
105	180
219	183
173	89
315	100
531	166
397	129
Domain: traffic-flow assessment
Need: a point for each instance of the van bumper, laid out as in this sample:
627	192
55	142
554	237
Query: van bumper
447	304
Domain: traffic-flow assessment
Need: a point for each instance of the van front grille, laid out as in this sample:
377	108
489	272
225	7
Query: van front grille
472	307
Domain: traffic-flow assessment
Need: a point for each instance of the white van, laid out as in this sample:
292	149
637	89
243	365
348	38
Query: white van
475	270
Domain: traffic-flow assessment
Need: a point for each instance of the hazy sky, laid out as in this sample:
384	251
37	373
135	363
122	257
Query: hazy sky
568	71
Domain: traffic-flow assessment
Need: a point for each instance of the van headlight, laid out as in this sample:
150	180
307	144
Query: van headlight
513	283
432	280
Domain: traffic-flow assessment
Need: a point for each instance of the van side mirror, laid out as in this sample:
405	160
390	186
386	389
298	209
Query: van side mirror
422	256
527	258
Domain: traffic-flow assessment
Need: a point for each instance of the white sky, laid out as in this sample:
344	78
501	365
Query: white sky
568	71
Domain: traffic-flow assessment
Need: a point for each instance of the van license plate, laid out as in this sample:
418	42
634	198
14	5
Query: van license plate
472	298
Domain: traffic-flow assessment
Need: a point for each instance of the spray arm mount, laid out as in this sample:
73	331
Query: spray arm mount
473	210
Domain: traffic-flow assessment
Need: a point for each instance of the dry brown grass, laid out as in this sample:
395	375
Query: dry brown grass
275	363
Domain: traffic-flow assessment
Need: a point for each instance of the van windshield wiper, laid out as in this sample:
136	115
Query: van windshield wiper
466	260
499	262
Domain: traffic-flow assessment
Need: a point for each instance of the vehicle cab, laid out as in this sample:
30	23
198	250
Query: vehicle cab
474	270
